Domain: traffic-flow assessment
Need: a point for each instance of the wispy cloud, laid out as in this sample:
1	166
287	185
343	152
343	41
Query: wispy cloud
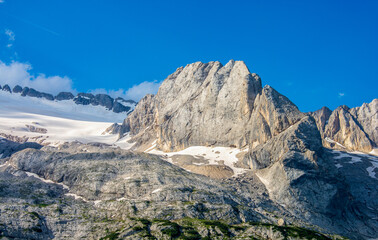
35	25
135	93
17	73
1	1
11	37
341	95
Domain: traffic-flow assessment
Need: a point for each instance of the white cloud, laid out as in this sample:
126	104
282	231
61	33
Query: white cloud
11	37
17	73
1	1
341	95
10	34
135	93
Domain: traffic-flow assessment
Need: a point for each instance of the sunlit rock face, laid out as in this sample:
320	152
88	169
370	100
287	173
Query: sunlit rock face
211	104
347	128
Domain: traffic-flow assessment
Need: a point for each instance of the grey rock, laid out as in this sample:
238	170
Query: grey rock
33	128
115	128
64	96
6	88
83	98
7	147
353	129
47	96
103	100
118	105
17	89
25	91
367	117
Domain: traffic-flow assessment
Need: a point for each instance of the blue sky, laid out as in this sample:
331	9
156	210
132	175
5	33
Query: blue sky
317	53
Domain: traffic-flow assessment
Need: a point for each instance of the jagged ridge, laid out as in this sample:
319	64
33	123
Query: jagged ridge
117	105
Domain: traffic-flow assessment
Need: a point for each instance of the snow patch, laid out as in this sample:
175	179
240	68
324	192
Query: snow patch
339	165
46	180
156	190
76	196
212	154
332	141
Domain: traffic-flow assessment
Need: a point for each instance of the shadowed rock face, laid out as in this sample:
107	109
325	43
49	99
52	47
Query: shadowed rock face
64	96
351	129
17	89
6	88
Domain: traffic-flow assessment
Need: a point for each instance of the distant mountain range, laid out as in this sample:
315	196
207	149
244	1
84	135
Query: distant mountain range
116	105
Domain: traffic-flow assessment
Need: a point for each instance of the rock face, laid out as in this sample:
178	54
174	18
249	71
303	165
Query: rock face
211	104
31	92
64	96
17	89
353	129
6	88
122	105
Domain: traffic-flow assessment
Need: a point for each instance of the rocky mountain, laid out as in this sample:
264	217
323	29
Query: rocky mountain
354	129
117	105
214	155
211	104
207	104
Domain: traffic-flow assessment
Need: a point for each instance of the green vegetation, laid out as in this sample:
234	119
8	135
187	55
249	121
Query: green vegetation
189	229
34	215
292	231
111	235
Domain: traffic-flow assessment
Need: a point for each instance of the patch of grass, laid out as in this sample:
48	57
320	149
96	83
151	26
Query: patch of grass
224	228
138	228
34	215
42	205
293	231
111	236
190	234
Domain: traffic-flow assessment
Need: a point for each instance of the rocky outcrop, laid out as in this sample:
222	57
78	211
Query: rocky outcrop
6	88
354	129
367	117
64	96
31	92
17	89
7	147
113	129
122	105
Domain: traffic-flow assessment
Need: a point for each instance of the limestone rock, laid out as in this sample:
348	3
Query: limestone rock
367	117
353	129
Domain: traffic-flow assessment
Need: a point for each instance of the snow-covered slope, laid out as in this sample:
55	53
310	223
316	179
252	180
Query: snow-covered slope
54	122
